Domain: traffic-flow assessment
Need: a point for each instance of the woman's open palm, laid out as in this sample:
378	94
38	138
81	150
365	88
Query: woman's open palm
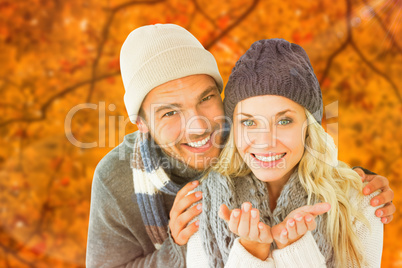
245	223
297	223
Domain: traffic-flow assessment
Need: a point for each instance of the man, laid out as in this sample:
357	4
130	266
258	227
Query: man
139	206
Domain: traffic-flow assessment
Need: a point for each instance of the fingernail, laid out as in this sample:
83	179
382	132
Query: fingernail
375	202
197	223
195	183
254	214
384	220
366	190
260	225
284	232
199	206
236	213
291	223
198	194
246	207
308	218
379	213
298	218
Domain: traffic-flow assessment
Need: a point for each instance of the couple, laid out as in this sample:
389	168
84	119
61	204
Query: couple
143	202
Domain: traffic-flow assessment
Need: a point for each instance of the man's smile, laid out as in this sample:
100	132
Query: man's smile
199	146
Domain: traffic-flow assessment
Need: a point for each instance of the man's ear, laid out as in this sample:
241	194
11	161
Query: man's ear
142	127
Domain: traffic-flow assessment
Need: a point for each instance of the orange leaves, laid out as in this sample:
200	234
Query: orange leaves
65	181
7	8
19	221
4	32
46	48
326	83
302	39
179	19
39	247
70	66
111	80
153	21
55	163
223	21
20	133
66	66
114	64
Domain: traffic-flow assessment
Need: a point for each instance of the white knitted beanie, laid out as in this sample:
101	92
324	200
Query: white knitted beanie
155	54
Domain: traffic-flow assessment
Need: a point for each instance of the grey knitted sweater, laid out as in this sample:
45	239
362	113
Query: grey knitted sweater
215	246
216	236
116	233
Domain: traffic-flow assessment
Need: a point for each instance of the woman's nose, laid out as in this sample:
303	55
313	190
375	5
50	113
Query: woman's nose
264	137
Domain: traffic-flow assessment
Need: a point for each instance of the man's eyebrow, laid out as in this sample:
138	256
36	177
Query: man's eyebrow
207	91
179	105
278	114
168	107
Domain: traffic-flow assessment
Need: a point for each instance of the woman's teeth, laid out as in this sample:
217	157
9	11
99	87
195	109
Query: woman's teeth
199	143
269	158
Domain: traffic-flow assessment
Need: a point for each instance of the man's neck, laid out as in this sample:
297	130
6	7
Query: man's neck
179	171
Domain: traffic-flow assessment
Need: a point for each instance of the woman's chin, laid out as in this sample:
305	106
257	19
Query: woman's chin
270	175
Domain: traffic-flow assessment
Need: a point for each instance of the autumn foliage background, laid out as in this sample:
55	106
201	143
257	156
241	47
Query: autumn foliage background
55	55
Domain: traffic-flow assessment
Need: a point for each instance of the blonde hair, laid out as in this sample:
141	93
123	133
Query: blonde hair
323	177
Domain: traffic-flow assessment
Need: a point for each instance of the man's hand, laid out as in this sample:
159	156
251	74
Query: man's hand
180	215
377	182
297	223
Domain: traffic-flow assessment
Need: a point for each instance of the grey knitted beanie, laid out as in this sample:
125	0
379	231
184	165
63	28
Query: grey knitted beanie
274	67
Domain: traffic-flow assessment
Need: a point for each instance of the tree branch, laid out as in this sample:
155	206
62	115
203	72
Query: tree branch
384	27
48	103
343	45
105	35
331	59
349	40
374	69
130	3
233	25
15	255
198	8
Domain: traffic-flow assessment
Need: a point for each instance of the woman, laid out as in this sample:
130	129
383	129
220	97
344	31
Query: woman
279	159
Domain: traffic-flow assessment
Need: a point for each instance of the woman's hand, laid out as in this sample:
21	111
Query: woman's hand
297	223
255	236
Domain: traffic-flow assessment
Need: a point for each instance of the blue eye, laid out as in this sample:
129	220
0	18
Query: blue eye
169	114
248	123
284	122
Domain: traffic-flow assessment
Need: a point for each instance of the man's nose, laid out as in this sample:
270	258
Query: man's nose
197	124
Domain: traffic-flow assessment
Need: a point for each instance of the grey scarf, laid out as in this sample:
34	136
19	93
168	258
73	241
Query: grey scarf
217	190
154	173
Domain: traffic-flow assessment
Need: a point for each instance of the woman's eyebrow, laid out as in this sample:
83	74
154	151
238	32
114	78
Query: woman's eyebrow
285	111
248	115
278	114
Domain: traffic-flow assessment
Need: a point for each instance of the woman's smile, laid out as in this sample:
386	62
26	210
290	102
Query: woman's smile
268	160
